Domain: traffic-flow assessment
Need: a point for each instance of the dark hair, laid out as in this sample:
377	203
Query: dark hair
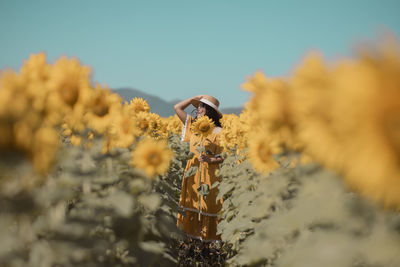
212	114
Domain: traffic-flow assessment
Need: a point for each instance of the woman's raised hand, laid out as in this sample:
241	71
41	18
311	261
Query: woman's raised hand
180	107
197	97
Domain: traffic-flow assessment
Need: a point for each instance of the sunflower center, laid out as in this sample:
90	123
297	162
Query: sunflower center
100	107
138	108
204	127
143	124
154	158
69	94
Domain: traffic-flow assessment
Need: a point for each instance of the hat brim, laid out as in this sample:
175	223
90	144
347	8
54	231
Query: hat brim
196	103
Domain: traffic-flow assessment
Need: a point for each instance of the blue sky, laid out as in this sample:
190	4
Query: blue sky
177	49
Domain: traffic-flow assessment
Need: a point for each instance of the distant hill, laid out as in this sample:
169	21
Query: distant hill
157	105
160	106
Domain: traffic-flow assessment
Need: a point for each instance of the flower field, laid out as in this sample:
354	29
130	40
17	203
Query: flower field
311	175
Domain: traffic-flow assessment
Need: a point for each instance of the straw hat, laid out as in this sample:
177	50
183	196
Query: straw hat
209	100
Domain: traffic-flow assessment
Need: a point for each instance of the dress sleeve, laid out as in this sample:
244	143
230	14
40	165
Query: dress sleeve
186	129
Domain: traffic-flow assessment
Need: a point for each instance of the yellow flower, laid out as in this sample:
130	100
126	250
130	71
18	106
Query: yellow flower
103	107
36	69
75	119
260	154
142	121
367	92
67	81
67	131
14	101
174	124
233	135
137	105
150	124
162	131
75	140
203	126
155	124
123	129
152	156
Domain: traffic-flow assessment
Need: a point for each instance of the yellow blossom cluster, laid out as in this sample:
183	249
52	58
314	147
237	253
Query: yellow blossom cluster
234	132
44	100
344	115
34	102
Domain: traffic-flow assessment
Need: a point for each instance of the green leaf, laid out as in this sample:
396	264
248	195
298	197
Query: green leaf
192	171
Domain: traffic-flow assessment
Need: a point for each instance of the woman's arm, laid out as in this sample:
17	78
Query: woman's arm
180	107
211	160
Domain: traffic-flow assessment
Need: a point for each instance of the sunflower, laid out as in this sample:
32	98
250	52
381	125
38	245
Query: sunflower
137	105
260	154
123	129
152	156
203	126
36	68
142	122
155	124
67	82
162	131
14	102
174	125
103	109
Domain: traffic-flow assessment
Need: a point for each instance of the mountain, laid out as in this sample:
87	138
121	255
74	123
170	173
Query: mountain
157	105
160	106
236	111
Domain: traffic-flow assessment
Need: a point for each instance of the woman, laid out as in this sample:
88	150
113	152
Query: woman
198	199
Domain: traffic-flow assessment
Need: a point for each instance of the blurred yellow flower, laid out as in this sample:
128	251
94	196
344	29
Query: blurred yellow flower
14	102
142	121
68	79
75	140
124	129
36	69
260	154
233	136
152	156
155	126
103	108
174	124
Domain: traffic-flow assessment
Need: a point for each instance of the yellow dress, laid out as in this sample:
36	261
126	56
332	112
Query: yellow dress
203	227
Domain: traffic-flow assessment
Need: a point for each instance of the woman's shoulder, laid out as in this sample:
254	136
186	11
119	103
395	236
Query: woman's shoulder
217	130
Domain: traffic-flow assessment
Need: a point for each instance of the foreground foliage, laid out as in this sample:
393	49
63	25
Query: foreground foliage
92	210
302	216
